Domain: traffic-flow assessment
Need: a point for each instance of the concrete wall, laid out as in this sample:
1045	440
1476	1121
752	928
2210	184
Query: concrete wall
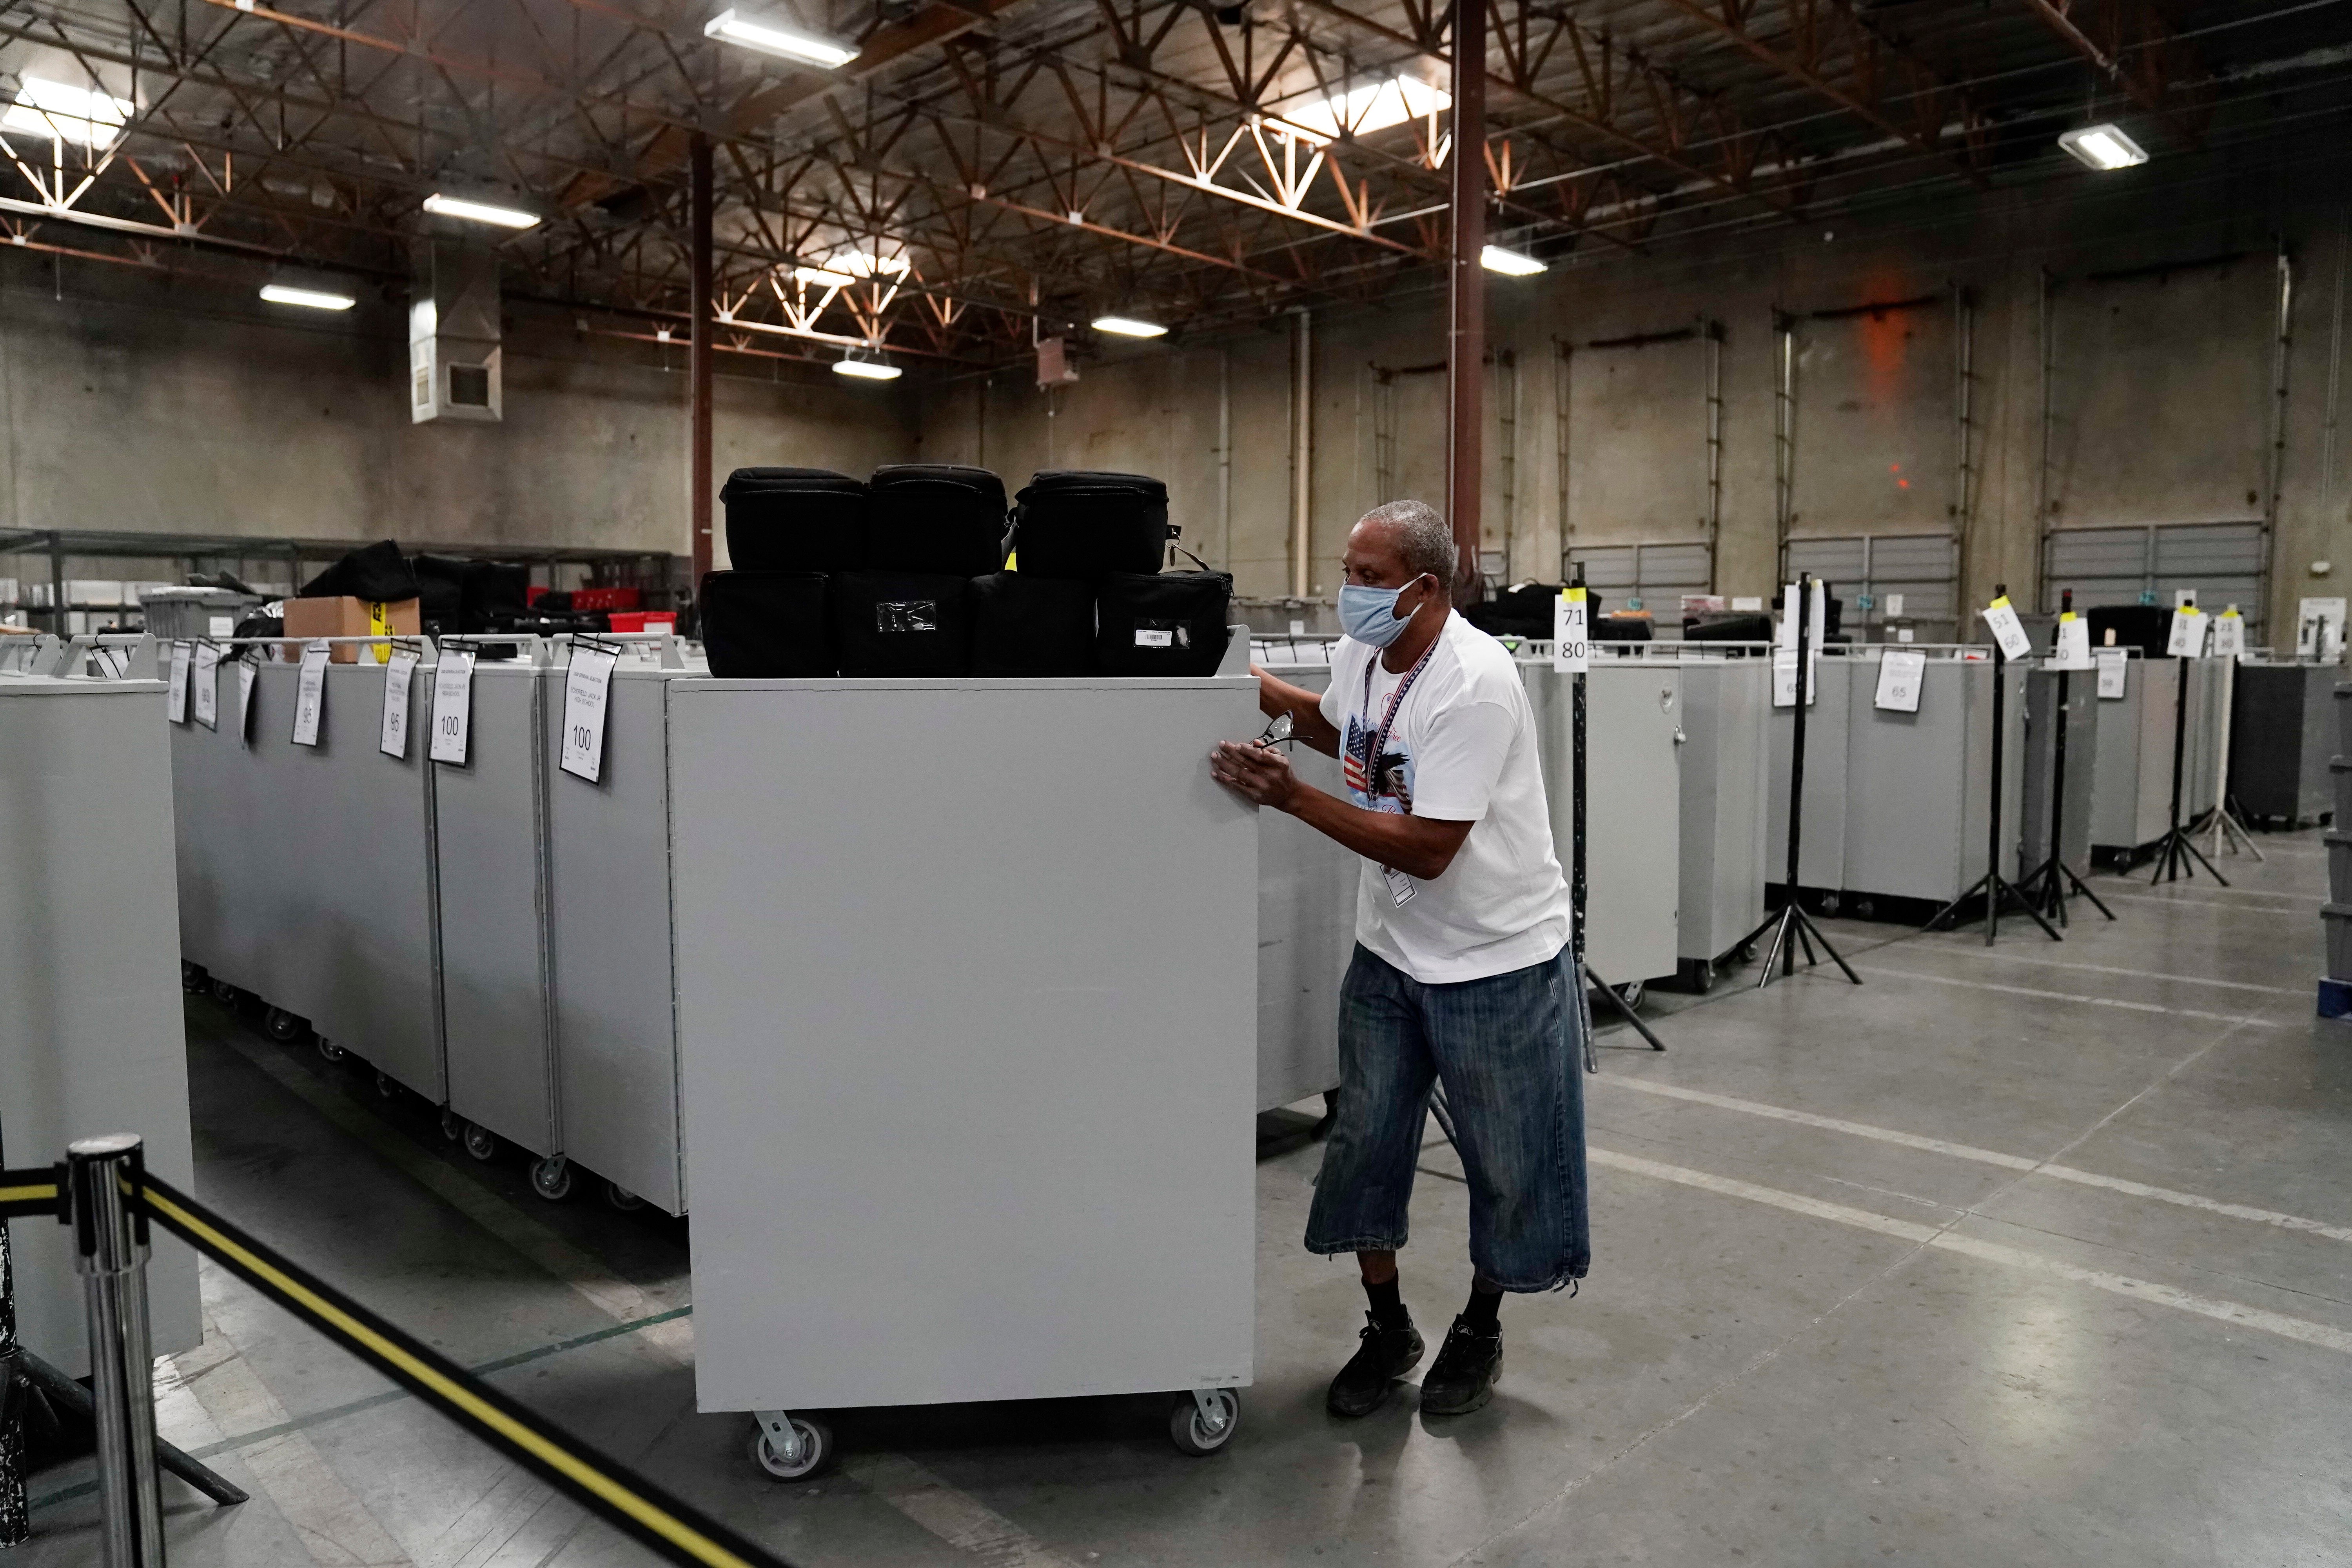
2160	402
128	403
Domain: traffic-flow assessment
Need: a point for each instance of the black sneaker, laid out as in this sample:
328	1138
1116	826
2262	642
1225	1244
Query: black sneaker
1385	1355
1463	1379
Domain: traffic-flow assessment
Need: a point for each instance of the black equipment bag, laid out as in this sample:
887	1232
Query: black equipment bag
1618	628
441	593
902	623
489	591
1083	524
767	623
1163	623
1023	624
375	572
2147	627
1737	626
794	520
935	517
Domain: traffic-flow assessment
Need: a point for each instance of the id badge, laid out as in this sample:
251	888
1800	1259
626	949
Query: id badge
1400	887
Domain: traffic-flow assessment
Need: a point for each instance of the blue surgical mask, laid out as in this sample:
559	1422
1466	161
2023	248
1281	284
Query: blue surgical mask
1368	614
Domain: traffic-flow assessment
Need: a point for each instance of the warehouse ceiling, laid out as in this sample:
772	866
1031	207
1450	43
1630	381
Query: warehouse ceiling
982	170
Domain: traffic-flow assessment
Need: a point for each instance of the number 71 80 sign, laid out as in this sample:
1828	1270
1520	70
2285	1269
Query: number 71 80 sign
587	686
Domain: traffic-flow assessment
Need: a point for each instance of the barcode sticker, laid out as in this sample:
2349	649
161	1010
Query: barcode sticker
1145	637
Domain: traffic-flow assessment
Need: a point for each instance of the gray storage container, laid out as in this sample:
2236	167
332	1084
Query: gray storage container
2339	865
2344	717
2342	768
1306	927
185	612
2337	919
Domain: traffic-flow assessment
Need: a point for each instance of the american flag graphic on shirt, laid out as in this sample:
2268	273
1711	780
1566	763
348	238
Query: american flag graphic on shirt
1395	771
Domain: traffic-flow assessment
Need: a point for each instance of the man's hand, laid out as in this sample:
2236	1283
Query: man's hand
1260	775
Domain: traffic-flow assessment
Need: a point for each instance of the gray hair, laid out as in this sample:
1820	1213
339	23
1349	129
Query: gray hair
1424	541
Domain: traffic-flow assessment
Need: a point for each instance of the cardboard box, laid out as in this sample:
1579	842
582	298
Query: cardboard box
348	617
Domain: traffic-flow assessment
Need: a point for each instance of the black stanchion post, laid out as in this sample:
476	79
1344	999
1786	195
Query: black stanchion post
1793	922
1996	888
1578	709
2173	850
110	1255
15	1516
2047	884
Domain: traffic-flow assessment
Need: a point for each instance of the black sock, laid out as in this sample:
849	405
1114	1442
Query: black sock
1483	1313
1388	1306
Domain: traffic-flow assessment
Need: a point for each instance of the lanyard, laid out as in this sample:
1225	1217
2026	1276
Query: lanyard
1380	743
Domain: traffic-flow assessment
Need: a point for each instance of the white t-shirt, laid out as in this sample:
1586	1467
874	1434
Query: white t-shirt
1463	749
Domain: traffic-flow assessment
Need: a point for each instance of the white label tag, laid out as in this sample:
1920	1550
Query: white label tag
2113	664
1784	678
2073	650
2186	638
310	693
220	626
176	697
249	671
1572	647
2229	635
204	687
586	687
452	705
1400	887
1146	637
2007	629
1900	675
398	671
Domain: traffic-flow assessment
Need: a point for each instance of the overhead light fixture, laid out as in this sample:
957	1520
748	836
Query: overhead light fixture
865	369
2103	147
61	114
443	206
310	293
1128	327
871	264
823	276
770	34
1510	263
1375	106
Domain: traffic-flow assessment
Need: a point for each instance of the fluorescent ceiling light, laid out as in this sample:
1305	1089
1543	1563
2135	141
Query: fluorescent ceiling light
1375	106
823	274
1495	259
60	114
772	34
865	369
1128	327
2103	147
442	205
316	298
867	264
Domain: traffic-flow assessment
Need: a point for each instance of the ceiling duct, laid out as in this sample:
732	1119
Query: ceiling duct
453	333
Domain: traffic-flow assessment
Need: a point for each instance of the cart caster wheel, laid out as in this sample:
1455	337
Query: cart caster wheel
386	1086
1829	904
815	1445
453	1126
1747	952
481	1142
283	1027
1201	1424
331	1051
192	977
1863	908
621	1198
551	1178
224	993
1632	993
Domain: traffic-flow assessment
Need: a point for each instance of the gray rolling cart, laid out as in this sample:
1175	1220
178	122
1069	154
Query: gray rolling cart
966	982
1822	848
91	1040
307	871
1726	838
1918	785
2132	801
1307	926
2082	721
2282	730
1632	836
611	944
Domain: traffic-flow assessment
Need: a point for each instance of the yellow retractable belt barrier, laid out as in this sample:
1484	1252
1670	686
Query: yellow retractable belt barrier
678	1530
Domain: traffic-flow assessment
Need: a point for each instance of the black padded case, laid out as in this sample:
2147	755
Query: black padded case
794	520
1089	523
902	624
1023	624
935	517
1162	623
767	624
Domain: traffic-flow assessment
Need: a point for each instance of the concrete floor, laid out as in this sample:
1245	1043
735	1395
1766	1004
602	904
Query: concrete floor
2034	1254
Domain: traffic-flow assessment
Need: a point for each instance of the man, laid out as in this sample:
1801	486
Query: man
1459	975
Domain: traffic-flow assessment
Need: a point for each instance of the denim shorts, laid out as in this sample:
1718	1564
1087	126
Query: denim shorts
1509	1051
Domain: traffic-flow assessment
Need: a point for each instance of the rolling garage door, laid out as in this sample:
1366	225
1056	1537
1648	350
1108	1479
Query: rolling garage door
2222	561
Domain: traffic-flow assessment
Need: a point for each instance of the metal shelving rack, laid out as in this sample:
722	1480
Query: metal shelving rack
662	576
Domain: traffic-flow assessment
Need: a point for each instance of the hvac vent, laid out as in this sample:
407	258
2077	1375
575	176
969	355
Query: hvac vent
453	334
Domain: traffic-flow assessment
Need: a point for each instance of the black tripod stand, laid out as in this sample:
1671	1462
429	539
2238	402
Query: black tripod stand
1792	920
2048	885
1584	974
2173	850
1996	889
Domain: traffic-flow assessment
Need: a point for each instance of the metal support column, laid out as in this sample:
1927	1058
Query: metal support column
1964	479
1302	451
1784	437
110	1255
1711	344
1466	338
698	355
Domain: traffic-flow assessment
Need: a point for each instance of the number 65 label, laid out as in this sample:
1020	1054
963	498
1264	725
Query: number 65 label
586	687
